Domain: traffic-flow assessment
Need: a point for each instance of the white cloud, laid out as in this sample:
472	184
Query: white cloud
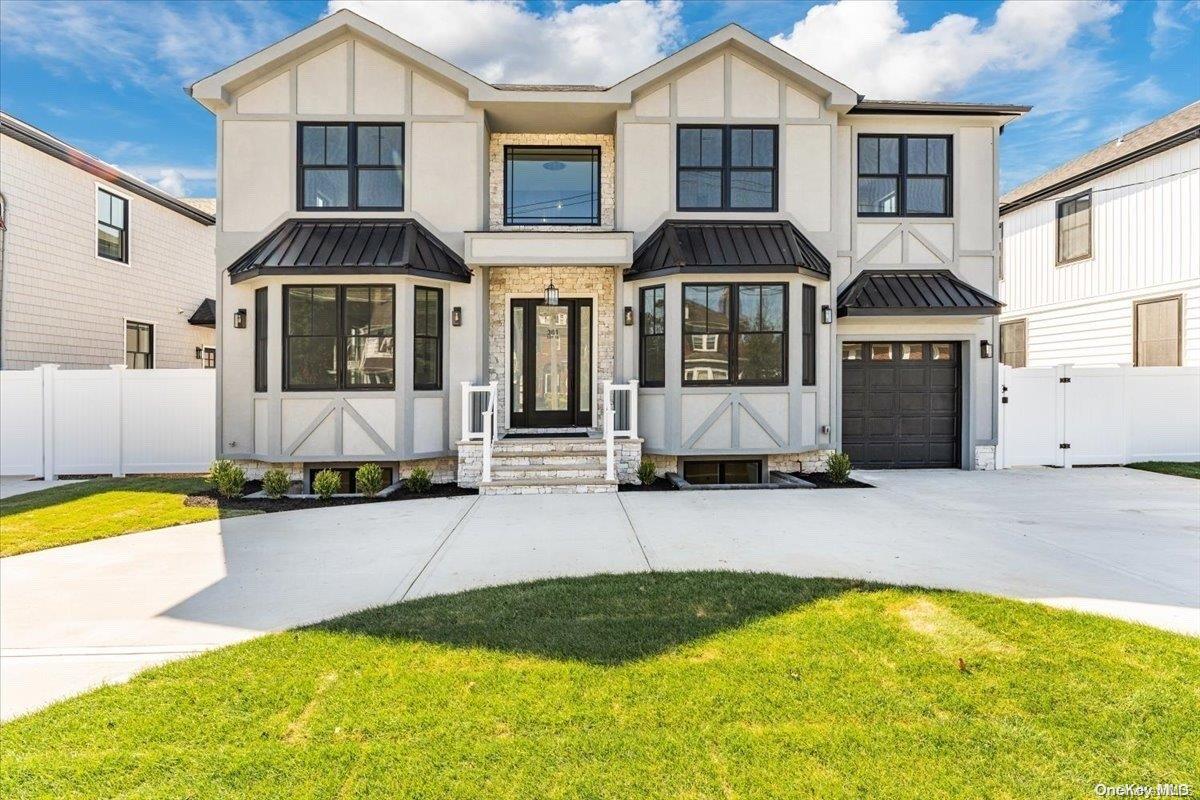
173	179
171	182
1174	23
866	44
1150	93
146	44
507	41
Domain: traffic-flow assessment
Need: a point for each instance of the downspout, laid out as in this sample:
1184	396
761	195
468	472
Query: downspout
3	271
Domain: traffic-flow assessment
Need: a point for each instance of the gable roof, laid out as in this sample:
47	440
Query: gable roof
912	292
350	247
703	246
40	140
1161	134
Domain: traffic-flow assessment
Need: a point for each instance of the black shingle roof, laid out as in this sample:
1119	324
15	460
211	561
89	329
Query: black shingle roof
351	247
205	314
700	246
892	292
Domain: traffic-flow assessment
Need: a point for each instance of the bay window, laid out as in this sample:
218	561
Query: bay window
339	337
735	334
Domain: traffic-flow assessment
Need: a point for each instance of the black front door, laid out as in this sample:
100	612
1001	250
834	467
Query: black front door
551	368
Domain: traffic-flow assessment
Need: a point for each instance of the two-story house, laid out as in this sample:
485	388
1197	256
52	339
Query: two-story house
1101	255
408	254
98	267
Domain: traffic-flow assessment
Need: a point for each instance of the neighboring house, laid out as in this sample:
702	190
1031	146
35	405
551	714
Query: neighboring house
1101	256
97	267
786	268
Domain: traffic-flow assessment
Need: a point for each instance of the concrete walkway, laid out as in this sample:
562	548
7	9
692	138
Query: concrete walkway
1112	541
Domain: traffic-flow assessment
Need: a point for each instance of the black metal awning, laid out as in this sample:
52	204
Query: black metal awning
205	314
699	246
351	247
916	292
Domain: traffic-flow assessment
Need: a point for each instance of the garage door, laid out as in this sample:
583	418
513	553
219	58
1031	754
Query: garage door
901	403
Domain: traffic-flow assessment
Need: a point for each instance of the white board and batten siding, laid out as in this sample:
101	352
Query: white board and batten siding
106	421
1145	245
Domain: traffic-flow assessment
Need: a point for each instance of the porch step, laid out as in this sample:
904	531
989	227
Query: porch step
547	486
513	468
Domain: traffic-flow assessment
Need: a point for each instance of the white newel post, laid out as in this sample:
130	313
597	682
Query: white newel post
119	425
465	432
633	400
492	403
48	379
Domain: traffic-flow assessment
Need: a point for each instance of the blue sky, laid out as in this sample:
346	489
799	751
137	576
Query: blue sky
108	76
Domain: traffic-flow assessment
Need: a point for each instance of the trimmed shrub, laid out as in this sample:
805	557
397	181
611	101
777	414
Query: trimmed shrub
645	472
228	478
418	481
838	467
326	484
369	479
275	482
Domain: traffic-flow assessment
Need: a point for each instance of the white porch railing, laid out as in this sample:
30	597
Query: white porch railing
479	420
620	419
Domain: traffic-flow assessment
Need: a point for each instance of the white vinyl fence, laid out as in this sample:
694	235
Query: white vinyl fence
106	421
1066	416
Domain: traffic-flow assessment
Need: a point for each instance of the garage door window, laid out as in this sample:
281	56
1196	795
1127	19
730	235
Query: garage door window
942	351
852	352
881	352
912	352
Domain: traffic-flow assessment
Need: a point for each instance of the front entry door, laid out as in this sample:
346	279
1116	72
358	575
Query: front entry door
551	368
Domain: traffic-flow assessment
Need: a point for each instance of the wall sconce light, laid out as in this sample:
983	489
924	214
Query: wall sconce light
456	316
826	315
628	316
239	318
985	348
199	353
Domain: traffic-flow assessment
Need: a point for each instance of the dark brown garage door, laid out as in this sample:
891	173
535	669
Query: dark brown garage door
901	403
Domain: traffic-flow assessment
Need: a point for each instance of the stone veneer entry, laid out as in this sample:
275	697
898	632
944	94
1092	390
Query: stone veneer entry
505	283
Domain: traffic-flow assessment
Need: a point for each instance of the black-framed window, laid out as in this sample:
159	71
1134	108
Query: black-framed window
551	185
724	471
735	333
260	339
112	226
339	337
1073	227
727	167
905	176
346	477
348	166
652	330
208	358
808	335
427	338
139	345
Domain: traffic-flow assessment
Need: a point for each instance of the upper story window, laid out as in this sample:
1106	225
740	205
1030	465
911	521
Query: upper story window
551	185
112	226
1073	227
904	176
727	168
735	334
351	166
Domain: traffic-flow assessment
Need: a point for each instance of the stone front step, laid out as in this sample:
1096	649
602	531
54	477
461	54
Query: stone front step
594	468
517	446
547	486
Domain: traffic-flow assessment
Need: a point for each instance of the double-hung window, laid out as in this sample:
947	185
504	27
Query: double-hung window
551	185
1074	227
735	333
427	338
653	329
351	166
727	168
139	345
904	176
260	339
339	337
808	339
112	226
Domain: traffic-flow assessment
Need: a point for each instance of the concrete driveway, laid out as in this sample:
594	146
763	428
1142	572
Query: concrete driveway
1111	541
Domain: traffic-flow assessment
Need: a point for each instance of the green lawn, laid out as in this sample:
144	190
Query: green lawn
95	509
686	685
1184	469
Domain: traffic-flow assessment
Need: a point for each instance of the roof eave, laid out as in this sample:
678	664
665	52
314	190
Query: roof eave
266	272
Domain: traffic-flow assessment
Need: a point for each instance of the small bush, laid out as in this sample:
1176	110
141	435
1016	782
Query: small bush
838	467
418	481
326	484
369	479
645	472
275	482
228	478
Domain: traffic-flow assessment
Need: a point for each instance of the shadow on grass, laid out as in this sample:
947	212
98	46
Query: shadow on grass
602	619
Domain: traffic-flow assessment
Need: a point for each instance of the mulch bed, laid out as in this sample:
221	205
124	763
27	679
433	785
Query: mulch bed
821	480
659	485
211	499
